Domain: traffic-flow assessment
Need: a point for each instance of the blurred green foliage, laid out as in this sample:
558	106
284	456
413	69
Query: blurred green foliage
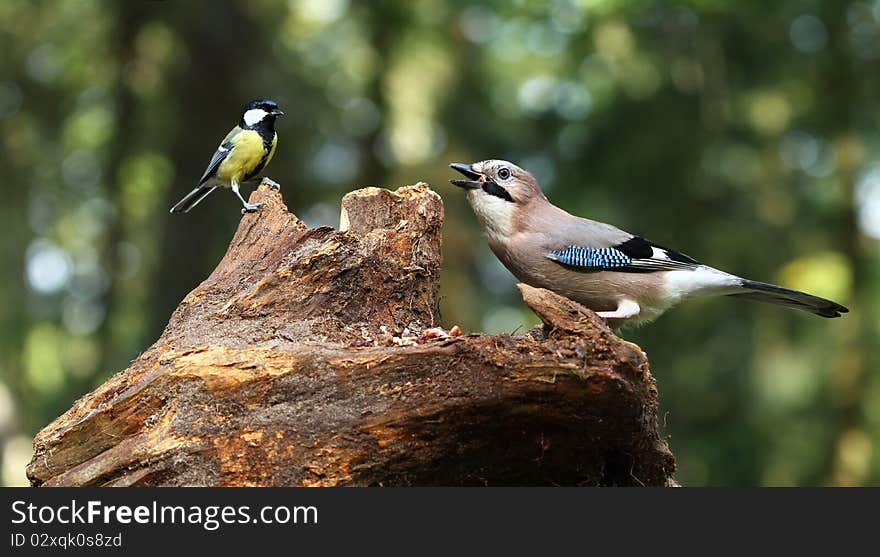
744	133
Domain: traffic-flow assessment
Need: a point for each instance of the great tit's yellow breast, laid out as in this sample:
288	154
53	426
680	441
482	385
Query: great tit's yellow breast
246	155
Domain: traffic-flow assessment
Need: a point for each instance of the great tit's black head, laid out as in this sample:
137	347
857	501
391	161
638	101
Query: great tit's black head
259	111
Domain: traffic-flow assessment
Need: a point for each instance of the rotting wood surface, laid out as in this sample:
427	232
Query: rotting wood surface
310	357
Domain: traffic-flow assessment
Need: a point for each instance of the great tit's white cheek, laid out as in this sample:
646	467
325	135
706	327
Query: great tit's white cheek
495	214
254	115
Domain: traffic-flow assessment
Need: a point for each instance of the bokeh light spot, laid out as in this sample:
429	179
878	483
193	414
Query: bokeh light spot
48	267
43	367
769	112
868	201
827	274
808	34
16	456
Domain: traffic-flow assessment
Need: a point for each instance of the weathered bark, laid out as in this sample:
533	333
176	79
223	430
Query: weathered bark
291	365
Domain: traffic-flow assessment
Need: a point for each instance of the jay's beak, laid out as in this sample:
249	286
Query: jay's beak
277	112
476	179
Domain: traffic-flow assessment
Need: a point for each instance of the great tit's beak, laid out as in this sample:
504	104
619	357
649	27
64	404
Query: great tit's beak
277	112
476	179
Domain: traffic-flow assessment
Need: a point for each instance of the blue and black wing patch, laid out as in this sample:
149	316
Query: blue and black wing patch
636	255
591	258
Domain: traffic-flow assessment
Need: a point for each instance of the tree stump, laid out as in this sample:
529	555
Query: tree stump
311	357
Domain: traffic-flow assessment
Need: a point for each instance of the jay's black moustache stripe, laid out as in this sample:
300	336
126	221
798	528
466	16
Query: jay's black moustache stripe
492	188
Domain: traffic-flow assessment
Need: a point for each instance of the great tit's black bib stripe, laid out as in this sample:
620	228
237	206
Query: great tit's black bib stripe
591	258
260	166
267	134
268	137
492	188
265	128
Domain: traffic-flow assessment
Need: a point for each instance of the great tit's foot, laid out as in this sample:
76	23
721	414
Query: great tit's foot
271	183
250	207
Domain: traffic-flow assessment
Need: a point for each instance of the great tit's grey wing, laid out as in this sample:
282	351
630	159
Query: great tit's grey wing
220	154
635	255
206	185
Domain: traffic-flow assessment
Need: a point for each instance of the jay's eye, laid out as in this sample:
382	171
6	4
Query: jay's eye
504	173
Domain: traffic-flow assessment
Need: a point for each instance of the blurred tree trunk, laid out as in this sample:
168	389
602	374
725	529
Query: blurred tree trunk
380	18
130	17
207	104
839	98
14	295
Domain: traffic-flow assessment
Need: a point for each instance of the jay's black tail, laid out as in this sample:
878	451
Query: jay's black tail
778	295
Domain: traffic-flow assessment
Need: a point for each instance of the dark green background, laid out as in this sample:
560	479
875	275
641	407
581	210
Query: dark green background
743	133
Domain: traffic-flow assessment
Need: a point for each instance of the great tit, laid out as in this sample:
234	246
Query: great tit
243	153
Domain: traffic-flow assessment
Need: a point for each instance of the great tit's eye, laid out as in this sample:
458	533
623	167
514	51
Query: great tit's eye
504	173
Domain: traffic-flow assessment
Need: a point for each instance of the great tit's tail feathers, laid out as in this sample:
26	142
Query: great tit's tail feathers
778	295
192	199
